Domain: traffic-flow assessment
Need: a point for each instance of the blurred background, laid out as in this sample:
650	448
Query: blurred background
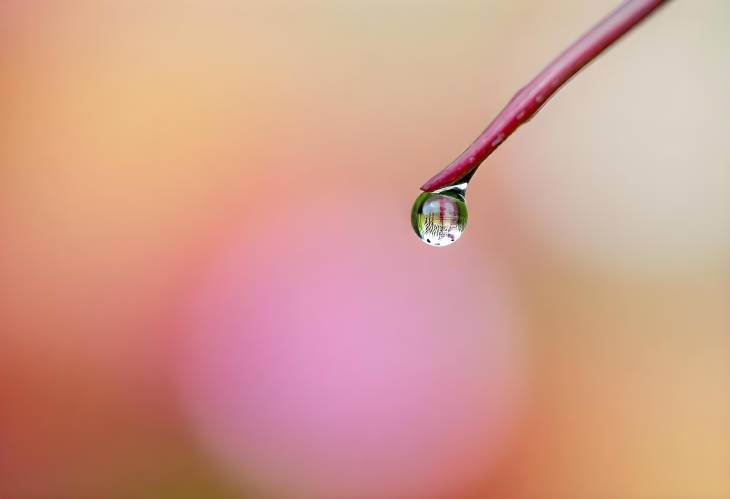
209	286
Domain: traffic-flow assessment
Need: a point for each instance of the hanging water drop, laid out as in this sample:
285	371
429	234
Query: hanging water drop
439	217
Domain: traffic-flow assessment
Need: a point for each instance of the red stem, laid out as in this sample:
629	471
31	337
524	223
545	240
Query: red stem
526	102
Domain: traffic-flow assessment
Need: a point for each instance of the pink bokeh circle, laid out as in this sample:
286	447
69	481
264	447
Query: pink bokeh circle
349	366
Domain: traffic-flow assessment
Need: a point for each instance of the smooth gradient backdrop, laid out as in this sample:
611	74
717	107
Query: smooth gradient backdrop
209	286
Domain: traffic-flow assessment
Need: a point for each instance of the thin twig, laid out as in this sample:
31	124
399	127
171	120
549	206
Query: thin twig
531	98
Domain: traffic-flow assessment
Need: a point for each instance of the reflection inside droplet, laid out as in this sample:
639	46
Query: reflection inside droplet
439	217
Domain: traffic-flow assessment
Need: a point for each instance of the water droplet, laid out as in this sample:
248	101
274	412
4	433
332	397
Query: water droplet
439	217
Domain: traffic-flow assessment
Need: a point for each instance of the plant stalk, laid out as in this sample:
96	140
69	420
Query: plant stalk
528	101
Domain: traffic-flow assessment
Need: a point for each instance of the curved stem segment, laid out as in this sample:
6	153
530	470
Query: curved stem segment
530	98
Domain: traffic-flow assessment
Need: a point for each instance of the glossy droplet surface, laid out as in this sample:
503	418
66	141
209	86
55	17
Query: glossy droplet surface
439	217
